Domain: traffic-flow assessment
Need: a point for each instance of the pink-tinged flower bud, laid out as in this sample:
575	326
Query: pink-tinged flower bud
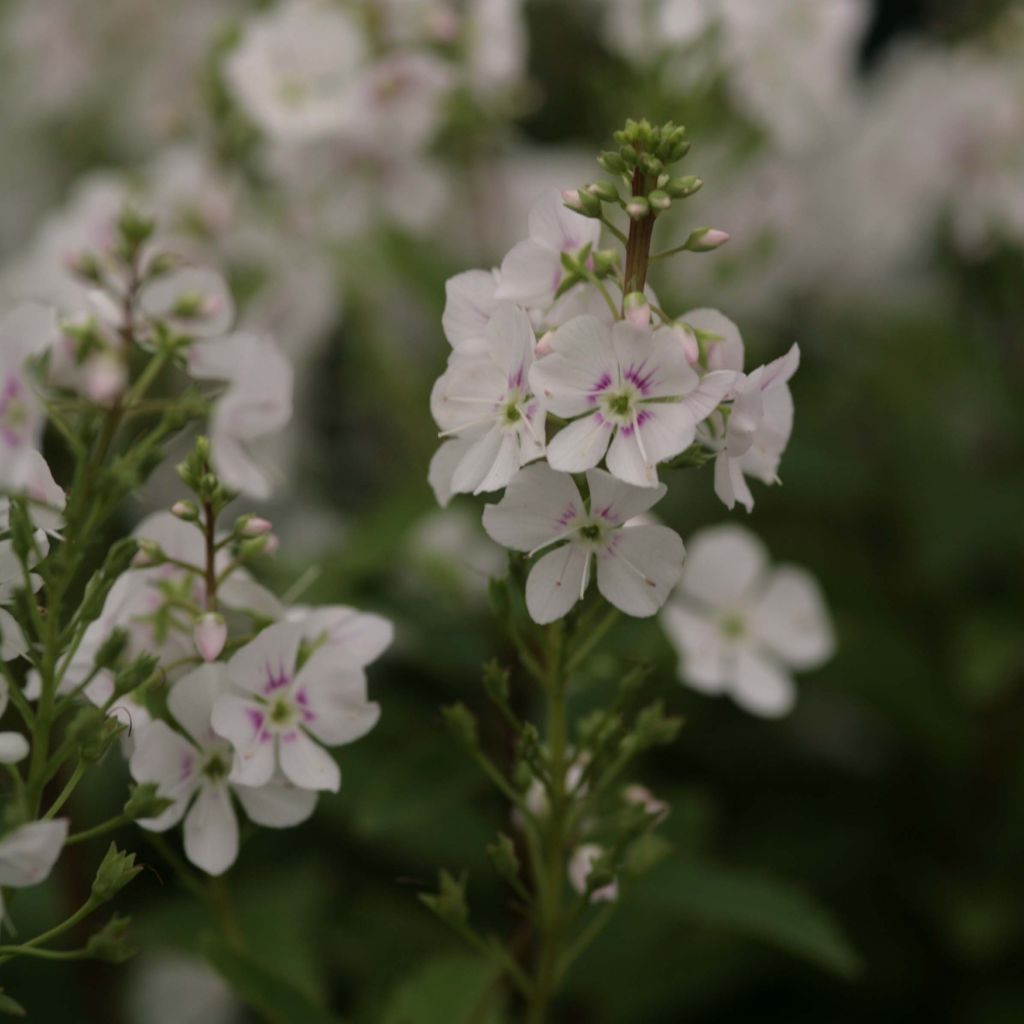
706	239
105	378
571	198
257	527
184	510
637	310
272	544
149	554
543	347
691	347
210	635
647	800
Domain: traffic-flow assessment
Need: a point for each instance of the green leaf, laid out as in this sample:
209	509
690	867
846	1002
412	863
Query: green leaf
10	1007
756	906
262	987
452	989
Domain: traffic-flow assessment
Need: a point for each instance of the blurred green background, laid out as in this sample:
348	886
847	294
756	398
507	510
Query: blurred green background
861	860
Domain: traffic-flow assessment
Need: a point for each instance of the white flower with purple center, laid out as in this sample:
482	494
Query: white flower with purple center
740	626
24	332
192	769
484	402
629	391
637	566
286	705
532	272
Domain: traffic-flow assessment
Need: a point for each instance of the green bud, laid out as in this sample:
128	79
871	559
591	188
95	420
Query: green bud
22	532
705	240
604	261
496	683
604	190
144	802
135	674
503	856
612	162
149	553
659	200
629	158
651	164
115	871
449	903
109	943
682	188
461	722
86	265
638	208
186	511
110	651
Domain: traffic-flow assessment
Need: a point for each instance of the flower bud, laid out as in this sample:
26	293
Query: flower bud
149	554
210	634
688	340
682	188
571	198
543	346
253	526
637	310
659	200
185	510
115	871
638	208
706	240
604	190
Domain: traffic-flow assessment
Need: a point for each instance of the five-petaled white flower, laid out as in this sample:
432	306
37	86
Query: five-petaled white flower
631	392
739	626
13	746
532	272
637	566
485	403
24	332
192	769
286	704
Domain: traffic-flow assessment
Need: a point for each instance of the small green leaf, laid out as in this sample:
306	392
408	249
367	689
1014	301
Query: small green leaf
259	985
757	906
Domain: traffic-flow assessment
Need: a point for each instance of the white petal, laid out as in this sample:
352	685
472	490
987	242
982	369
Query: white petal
13	747
730	484
530	274
555	582
762	687
335	697
12	641
582	363
242	592
778	371
469	303
211	830
192	697
468	393
554	225
28	853
166	758
495	451
724	566
627	462
306	764
723	354
262	664
761	459
713	388
354	637
792	620
510	341
618	502
242	723
277	805
640	568
698	640
443	465
536	508
580	445
654	361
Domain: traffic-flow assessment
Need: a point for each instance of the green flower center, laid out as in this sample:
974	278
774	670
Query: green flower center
732	626
216	768
281	712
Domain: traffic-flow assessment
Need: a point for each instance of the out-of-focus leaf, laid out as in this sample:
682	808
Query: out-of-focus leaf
452	989
757	906
10	1007
259	985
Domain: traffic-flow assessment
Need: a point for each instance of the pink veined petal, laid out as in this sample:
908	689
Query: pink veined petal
243	724
530	274
761	686
724	567
469	304
580	445
617	502
211	830
554	225
277	805
555	582
702	664
726	354
582	364
510	341
192	697
267	662
791	619
538	507
306	764
640	568
443	465
653	361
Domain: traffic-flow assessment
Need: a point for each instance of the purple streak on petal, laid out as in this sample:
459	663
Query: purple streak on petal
290	737
568	515
256	719
517	379
188	762
275	682
601	384
636	376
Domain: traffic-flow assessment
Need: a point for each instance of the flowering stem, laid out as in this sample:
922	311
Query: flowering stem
638	245
209	533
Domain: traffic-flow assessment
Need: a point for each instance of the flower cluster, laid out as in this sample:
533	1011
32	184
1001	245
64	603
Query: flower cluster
547	364
217	691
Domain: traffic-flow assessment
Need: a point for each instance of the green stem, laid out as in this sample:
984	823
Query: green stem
98	830
69	788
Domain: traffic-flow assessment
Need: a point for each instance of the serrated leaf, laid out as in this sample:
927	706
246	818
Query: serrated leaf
757	906
259	985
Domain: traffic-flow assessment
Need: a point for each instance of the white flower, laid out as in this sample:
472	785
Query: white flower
740	626
13	746
632	392
294	70
257	402
486	401
286	706
192	769
760	423
532	271
580	866
637	566
28	853
195	301
470	302
353	637
24	332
